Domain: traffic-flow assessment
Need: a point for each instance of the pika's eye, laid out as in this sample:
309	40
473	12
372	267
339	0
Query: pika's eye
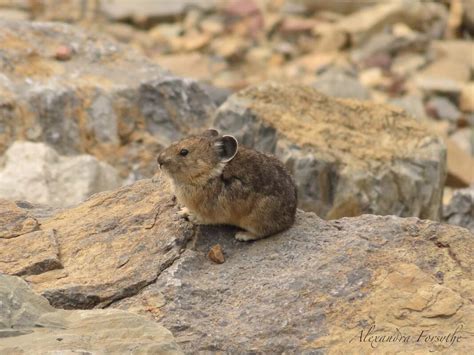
183	152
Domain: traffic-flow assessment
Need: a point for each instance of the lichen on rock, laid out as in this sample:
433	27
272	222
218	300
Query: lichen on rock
348	157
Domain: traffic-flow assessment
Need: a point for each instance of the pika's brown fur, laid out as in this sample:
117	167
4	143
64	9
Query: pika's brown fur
219	182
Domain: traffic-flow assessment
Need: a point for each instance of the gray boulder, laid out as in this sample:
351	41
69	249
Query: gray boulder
83	93
339	83
460	210
29	325
317	286
348	157
35	172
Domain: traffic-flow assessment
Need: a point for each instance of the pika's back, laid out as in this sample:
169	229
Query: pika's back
265	173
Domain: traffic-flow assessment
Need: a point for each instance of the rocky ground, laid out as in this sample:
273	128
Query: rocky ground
123	107
313	288
369	104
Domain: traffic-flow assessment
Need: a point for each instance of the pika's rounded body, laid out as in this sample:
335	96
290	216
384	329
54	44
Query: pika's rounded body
219	182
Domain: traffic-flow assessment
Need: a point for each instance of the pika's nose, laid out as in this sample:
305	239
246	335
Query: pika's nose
161	159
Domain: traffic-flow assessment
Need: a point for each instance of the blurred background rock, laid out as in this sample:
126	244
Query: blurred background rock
370	104
99	89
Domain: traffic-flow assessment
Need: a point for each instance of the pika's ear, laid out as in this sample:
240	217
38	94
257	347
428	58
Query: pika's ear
210	133
227	148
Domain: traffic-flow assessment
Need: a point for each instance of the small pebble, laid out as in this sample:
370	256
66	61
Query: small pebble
63	53
216	255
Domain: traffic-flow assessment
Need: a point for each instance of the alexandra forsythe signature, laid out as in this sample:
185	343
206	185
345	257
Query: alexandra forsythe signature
423	336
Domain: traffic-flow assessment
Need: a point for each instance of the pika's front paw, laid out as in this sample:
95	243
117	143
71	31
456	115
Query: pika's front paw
245	236
185	213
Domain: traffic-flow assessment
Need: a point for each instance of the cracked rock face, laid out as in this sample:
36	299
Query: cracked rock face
316	286
29	325
104	99
105	249
348	157
312	288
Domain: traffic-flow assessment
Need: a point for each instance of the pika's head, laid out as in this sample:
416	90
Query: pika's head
198	158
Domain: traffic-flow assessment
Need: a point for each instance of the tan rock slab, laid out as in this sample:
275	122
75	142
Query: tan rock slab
14	221
447	68
29	254
466	101
348	157
110	246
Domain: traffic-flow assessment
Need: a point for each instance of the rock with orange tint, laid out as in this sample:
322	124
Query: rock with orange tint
216	255
15	221
103	250
83	93
315	287
63	53
318	286
348	157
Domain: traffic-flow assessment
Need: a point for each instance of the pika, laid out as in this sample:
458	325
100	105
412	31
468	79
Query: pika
219	182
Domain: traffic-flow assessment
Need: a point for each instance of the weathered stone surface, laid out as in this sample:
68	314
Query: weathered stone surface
459	164
217	94
442	108
29	325
466	101
35	172
196	66
413	105
140	10
448	68
13	14
456	50
21	308
468	12
450	71
460	210
311	288
464	138
15	221
106	100
341	84
347	157
344	7
314	288
110	246
369	20
406	64
387	44
30	254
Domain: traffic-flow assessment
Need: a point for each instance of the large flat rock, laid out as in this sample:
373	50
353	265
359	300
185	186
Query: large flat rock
348	157
84	93
316	287
107	248
29	325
